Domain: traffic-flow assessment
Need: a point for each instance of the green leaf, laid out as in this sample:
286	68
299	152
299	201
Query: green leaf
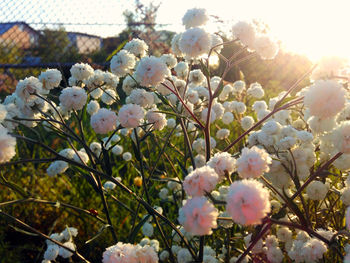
204	69
115	51
100	231
137	229
13	186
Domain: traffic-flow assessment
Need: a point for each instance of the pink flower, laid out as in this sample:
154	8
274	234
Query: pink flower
341	137
247	202
73	98
198	216
103	121
150	71
200	181
128	253
253	162
130	115
222	162
325	98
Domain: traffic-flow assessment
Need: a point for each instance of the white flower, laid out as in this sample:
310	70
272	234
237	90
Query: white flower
128	253
156	118
274	255
253	162
26	88
227	118
181	70
81	157
169	60
128	85
284	234
340	137
122	63
103	121
265	47
195	42
238	107
175	45
247	202
137	47
245	32
247	122
109	96
313	250
204	114
325	98
184	256
51	252
256	91
195	17
196	76
141	97
57	167
219	110
81	71
95	81
238	87
316	190
259	105
69	232
216	40
64	252
130	115
198	216
127	156
109	185
271	127
201	180
164	255
3	112
163	193
222	134
7	145
150	71
73	98
50	78
117	150
171	123
147	229
222	162
92	107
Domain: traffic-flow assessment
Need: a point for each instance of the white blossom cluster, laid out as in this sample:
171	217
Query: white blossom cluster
173	98
65	238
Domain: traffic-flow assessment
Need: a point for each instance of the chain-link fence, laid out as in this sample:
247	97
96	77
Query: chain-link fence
39	34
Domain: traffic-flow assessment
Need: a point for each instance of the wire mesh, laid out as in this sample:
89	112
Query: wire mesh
39	34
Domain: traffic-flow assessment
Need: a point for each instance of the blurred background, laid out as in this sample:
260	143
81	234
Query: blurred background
38	34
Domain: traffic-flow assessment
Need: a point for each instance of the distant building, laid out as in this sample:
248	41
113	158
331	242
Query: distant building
85	43
18	33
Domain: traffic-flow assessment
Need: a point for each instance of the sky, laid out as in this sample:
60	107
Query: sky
310	27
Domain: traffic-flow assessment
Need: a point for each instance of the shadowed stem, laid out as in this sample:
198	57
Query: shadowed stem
43	235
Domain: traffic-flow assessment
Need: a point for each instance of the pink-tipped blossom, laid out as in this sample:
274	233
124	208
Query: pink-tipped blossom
247	202
130	115
198	216
254	162
200	181
103	121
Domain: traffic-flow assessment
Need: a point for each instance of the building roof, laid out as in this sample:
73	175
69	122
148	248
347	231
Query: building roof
4	27
72	34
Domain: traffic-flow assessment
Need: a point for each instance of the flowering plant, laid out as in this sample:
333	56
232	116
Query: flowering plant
225	173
